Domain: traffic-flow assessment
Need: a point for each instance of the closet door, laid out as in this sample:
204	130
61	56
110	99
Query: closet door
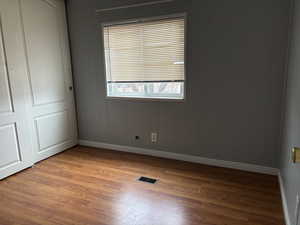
15	139
48	59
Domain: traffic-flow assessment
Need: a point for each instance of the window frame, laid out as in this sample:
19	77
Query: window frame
140	20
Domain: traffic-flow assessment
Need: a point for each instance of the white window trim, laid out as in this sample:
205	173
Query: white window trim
147	19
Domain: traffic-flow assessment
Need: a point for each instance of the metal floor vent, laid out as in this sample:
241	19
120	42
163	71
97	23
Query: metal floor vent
148	180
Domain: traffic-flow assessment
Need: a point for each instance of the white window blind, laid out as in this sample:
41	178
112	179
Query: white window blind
145	52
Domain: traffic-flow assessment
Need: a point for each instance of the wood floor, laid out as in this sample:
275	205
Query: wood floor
86	186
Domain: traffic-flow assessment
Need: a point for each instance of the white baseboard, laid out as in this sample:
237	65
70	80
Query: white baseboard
182	157
284	201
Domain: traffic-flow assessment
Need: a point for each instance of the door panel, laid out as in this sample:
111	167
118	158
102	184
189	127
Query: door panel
10	152
43	36
15	147
59	126
5	97
52	101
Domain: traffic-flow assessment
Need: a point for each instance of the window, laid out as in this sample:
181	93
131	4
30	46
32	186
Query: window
145	59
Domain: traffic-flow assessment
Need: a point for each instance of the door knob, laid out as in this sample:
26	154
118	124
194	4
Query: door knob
70	88
296	155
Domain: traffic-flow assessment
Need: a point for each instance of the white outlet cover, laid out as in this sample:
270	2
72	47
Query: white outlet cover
153	137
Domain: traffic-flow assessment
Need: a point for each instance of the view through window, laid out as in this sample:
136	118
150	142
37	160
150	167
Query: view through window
145	59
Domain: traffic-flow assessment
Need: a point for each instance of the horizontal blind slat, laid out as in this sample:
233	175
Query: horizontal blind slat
147	51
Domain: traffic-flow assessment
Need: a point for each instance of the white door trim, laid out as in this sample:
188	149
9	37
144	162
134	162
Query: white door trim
284	201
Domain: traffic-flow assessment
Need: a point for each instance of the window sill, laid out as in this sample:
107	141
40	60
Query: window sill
137	99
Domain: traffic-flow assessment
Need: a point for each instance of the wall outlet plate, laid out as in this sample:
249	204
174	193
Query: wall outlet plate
153	137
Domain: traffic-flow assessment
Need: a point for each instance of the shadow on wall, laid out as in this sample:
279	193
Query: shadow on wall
290	172
235	55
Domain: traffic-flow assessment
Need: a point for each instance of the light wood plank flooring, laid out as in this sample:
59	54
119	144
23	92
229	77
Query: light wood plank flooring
86	186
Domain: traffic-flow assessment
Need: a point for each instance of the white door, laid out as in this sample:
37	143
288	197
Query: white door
15	138
49	70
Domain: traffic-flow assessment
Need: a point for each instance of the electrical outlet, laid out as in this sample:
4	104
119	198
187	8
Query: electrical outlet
153	137
297	208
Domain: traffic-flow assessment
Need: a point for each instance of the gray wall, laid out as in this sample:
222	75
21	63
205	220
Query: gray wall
290	173
235	55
